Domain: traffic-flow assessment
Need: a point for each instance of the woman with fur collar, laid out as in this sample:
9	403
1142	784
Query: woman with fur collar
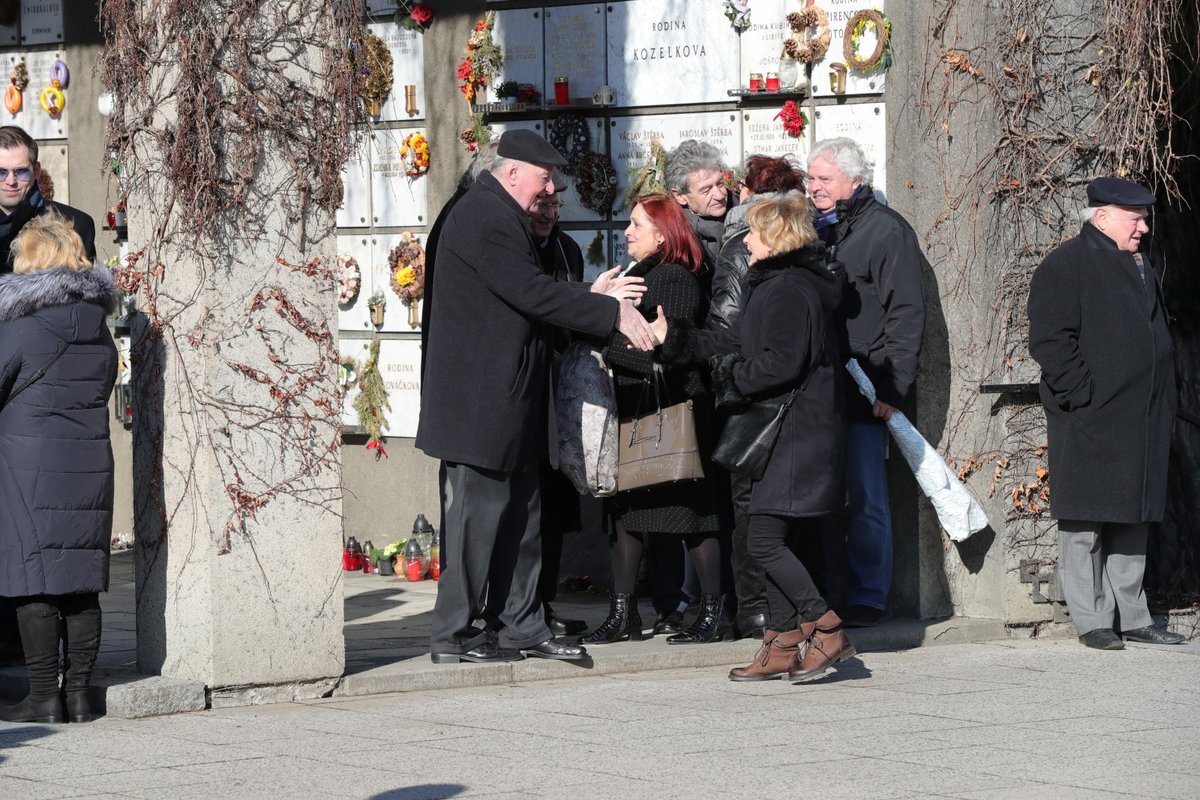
57	369
784	339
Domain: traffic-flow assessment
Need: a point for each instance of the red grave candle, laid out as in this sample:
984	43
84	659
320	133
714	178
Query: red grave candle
562	91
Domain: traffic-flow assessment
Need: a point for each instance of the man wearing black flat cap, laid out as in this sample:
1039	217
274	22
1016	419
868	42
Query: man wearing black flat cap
1098	329
487	406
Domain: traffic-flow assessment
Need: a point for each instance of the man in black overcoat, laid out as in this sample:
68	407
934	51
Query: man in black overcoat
21	198
1098	329
486	402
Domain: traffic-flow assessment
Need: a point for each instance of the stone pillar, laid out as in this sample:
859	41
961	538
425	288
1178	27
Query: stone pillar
232	137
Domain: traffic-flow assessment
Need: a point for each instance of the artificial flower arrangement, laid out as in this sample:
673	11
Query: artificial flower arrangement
414	155
414	16
648	177
738	14
349	279
18	82
482	58
476	133
378	71
793	119
372	401
810	35
882	57
407	263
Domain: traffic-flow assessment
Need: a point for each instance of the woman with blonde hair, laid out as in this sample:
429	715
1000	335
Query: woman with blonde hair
57	369
783	345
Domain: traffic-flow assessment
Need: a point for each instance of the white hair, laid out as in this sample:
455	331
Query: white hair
848	156
1088	214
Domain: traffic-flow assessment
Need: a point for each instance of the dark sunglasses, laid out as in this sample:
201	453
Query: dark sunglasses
22	173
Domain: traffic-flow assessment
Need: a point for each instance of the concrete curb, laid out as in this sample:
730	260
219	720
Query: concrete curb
128	695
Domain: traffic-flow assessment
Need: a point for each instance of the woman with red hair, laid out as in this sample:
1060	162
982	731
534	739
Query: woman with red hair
664	251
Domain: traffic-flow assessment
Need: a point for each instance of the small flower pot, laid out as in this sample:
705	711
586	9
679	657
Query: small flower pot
387	566
377	316
374	108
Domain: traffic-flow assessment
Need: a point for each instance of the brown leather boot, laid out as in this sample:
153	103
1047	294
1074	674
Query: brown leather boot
779	650
827	646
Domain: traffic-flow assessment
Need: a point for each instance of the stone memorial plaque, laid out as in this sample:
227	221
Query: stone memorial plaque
381	7
762	42
631	137
585	239
355	211
575	50
857	83
396	317
666	52
618	252
53	161
866	124
762	134
10	34
400	365
351	350
36	122
536	126
408	69
41	23
396	198
518	33
354	316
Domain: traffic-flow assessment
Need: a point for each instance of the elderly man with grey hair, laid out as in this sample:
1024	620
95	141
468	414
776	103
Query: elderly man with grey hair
884	317
695	177
1098	329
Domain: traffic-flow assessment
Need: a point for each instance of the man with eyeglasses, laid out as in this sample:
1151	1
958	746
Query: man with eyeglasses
1098	329
21	198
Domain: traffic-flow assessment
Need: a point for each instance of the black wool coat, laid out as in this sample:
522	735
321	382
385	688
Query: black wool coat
687	506
485	397
785	337
1099	333
33	206
884	308
56	463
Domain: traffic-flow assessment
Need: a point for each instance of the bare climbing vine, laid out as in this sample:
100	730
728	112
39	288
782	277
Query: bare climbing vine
232	123
1024	103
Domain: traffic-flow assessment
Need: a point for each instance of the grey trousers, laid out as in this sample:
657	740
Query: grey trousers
1100	569
492	551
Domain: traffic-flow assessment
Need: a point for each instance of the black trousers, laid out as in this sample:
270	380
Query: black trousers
493	555
792	596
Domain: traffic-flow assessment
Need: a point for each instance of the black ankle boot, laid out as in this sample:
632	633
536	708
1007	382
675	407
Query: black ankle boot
81	644
623	622
711	624
38	623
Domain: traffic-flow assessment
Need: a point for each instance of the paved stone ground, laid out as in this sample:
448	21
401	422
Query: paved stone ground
1028	719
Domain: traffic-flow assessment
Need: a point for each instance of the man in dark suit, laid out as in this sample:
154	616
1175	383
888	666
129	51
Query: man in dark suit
486	405
21	198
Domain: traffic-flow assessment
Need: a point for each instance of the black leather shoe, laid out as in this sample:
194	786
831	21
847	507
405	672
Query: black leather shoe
751	626
552	648
486	653
860	616
1102	639
668	622
563	627
1152	635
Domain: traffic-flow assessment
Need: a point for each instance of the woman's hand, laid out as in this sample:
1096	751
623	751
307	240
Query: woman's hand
658	326
629	288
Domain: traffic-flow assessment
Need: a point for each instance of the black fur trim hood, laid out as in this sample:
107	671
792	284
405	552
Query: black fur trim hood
24	295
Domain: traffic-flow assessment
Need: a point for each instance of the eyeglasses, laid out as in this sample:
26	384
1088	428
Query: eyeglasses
21	173
550	205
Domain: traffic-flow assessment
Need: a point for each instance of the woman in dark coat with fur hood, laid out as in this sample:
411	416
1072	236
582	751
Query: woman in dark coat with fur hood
57	369
784	340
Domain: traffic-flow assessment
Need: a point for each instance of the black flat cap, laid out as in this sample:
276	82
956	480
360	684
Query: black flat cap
560	182
524	145
1118	192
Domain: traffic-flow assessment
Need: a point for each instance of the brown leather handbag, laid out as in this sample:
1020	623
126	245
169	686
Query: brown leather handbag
658	447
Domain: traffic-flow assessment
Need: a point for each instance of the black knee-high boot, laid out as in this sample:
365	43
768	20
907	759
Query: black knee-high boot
38	623
81	643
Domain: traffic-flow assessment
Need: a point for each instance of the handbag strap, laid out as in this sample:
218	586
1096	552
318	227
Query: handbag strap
35	377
